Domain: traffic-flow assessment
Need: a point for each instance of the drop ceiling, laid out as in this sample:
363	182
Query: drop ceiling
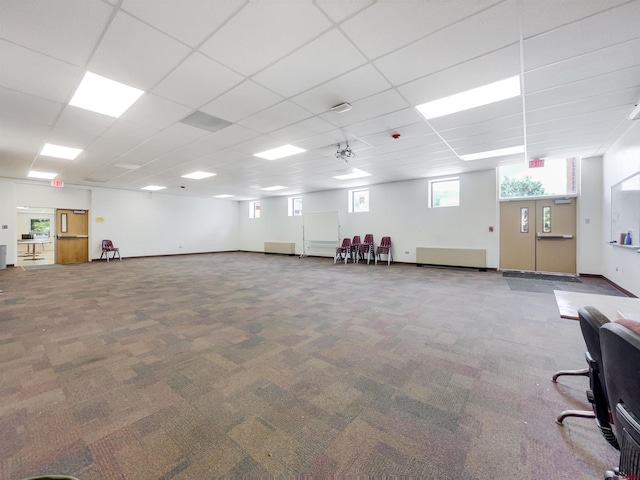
271	70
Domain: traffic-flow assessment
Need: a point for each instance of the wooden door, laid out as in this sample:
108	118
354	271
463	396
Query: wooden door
72	236
538	235
517	235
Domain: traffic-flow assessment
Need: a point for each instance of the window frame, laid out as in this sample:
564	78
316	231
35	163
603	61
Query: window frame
432	191
352	200
252	209
291	209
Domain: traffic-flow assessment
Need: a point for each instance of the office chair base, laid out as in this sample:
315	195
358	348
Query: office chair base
583	372
574	413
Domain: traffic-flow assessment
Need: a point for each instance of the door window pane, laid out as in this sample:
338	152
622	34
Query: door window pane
524	220
546	219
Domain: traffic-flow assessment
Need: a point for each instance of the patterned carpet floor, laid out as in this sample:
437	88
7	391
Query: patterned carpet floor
251	365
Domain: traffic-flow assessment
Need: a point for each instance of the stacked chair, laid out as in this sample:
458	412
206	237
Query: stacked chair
367	248
384	249
343	252
357	250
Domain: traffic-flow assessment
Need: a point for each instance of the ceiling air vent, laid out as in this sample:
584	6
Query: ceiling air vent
341	108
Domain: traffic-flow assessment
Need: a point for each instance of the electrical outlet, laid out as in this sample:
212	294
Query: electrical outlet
4	227
406	253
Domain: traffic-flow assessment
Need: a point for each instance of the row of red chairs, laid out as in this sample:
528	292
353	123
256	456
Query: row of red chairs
357	250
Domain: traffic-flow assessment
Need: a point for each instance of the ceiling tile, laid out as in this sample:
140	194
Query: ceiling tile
596	32
374	31
492	29
242	101
276	117
332	54
155	111
190	21
135	54
262	32
339	11
67	30
205	78
371	107
16	106
350	87
28	68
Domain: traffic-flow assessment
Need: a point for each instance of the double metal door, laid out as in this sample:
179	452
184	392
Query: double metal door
538	235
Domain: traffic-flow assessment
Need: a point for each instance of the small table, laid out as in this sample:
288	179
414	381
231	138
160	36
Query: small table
610	306
34	242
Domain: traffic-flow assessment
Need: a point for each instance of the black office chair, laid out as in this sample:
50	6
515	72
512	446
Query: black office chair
591	320
621	363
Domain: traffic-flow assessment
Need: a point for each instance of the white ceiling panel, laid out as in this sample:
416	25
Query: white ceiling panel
482	70
371	107
276	117
206	79
20	107
622	79
304	129
350	87
490	30
84	121
166	141
389	123
135	54
263	32
536	18
608	28
332	54
375	30
28	68
592	64
339	11
190	21
242	101
66	30
506	108
156	111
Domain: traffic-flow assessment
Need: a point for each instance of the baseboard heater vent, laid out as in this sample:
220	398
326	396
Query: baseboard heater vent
452	257
283	248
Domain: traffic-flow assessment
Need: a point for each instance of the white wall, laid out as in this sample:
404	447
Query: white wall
139	223
398	210
620	265
147	223
589	217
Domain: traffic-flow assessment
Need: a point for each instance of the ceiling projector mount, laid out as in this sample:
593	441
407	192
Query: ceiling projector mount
346	153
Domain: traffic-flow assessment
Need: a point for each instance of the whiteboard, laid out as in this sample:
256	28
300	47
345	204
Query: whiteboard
323	227
625	209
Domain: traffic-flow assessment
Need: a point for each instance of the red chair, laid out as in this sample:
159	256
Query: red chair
355	248
107	246
343	252
367	248
384	249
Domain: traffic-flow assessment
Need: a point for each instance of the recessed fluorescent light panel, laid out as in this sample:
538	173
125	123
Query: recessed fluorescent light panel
356	173
58	151
476	97
224	195
102	95
273	189
152	188
280	152
501	152
198	175
43	175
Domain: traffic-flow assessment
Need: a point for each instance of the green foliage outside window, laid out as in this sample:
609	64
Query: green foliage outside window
526	187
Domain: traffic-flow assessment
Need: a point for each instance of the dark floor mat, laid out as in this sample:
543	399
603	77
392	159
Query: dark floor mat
542	276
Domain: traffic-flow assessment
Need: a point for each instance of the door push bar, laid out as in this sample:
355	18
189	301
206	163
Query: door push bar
62	237
554	237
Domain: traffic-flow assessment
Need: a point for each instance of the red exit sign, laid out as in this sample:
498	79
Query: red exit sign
536	162
57	183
